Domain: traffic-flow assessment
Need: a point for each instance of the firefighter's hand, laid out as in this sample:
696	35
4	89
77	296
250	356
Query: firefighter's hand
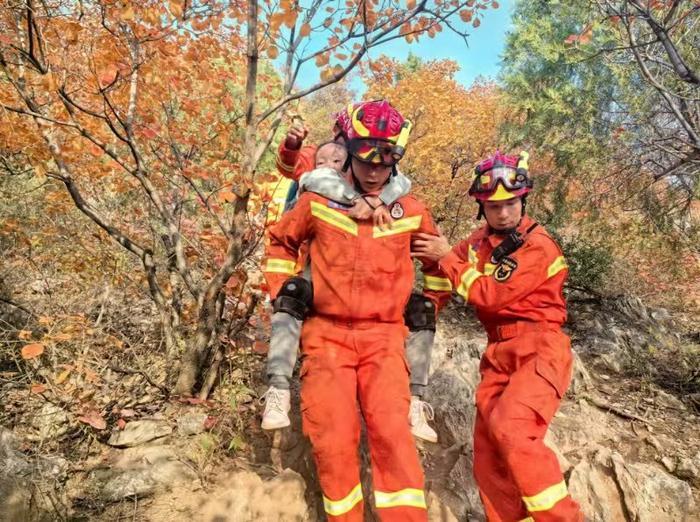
382	218
430	247
360	209
295	137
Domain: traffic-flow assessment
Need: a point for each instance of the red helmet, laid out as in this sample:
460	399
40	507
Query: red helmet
501	177
375	132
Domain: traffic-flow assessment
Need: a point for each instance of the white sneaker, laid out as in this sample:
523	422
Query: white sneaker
276	411
418	417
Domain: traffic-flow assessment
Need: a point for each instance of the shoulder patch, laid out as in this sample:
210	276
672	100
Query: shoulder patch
396	211
505	269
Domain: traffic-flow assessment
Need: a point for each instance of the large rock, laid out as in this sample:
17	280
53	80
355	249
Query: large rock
139	471
140	432
15	490
611	490
239	497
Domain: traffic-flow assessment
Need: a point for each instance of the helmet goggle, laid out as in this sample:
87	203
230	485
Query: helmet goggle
374	151
510	178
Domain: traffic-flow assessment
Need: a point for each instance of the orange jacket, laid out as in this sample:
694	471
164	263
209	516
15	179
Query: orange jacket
359	272
527	287
292	163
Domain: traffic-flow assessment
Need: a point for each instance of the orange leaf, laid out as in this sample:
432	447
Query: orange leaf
30	351
305	29
108	75
476	23
260	347
37	388
94	419
466	15
25	335
411	4
121	424
273	52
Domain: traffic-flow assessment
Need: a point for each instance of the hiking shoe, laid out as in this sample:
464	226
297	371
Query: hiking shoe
418	417
276	414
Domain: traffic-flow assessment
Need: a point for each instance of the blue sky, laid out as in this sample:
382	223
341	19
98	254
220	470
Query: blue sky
480	58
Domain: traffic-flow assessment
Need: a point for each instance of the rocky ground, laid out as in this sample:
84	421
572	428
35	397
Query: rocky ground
626	436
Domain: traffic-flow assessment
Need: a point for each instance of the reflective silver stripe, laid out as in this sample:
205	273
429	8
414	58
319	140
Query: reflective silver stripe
547	498
437	283
342	506
468	279
404	497
557	266
280	266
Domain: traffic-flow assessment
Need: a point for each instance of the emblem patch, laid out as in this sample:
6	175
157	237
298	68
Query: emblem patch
396	211
505	269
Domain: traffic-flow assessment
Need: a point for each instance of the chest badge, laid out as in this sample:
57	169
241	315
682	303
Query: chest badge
505	269
396	211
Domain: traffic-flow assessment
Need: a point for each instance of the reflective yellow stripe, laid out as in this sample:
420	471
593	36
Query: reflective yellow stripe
489	268
280	266
437	283
399	226
342	506
333	217
528	519
471	256
557	266
468	279
405	497
546	499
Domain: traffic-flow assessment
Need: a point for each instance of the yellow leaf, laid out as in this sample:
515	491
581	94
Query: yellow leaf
30	351
62	377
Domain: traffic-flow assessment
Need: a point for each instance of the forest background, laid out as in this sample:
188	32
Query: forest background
135	135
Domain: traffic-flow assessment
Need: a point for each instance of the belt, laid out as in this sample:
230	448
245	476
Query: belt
356	324
502	332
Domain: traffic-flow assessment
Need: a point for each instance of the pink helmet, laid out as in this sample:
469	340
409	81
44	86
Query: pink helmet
374	131
501	177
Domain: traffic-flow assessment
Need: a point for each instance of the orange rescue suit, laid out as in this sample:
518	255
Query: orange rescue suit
525	371
353	348
292	163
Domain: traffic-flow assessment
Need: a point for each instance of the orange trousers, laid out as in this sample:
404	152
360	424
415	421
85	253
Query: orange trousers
341	365
522	382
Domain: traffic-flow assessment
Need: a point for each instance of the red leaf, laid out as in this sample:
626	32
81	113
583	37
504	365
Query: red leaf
94	419
260	347
210	422
31	351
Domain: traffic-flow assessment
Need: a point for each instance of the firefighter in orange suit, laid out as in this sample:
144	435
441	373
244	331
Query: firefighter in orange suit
513	273
353	339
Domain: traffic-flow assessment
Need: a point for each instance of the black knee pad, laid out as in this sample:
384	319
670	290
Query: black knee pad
419	313
295	297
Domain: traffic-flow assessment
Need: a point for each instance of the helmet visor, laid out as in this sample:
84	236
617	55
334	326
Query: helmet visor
509	177
374	151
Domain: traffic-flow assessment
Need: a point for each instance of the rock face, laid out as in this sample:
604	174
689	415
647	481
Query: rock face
139	432
238	497
139	471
